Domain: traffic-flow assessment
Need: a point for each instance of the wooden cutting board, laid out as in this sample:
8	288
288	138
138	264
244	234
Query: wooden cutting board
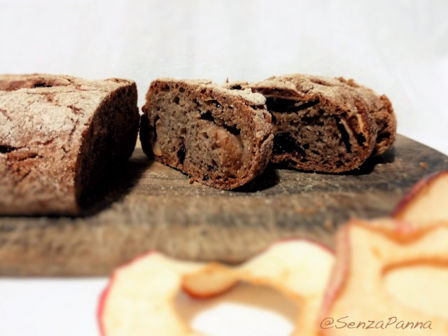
155	207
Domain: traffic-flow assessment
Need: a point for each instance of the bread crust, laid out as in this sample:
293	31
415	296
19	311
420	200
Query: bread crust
53	130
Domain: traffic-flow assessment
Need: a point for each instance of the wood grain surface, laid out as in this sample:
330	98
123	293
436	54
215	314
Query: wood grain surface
155	207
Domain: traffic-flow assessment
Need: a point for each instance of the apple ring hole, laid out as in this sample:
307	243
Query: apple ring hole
407	283
244	310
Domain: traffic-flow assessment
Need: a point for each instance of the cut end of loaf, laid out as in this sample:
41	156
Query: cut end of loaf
325	124
218	137
311	135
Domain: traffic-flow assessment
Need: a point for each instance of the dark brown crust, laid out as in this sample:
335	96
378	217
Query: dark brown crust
47	126
255	125
363	114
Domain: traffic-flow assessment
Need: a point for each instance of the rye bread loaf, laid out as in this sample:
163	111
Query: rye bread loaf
60	137
325	124
219	137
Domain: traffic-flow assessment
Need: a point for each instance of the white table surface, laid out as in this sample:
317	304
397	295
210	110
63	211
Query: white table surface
399	48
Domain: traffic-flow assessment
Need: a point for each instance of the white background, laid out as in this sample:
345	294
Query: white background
399	48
